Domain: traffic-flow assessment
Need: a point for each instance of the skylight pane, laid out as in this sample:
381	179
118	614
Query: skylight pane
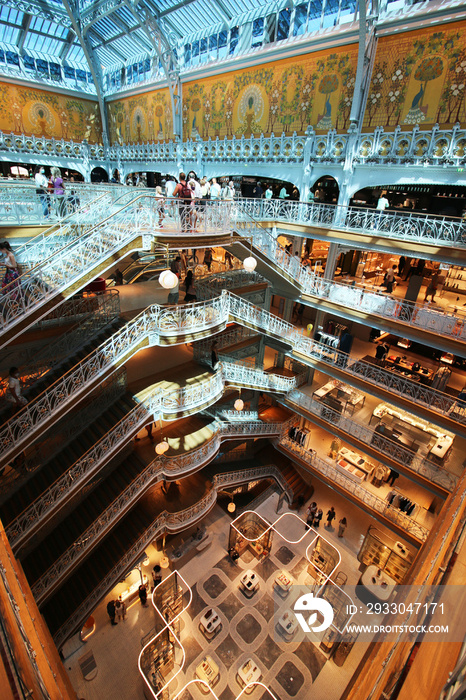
284	19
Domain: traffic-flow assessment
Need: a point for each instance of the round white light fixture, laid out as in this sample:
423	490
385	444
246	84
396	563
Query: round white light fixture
162	447
168	279
164	562
249	264
231	507
239	404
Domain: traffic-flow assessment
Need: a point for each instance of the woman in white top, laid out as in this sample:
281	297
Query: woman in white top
41	189
14	389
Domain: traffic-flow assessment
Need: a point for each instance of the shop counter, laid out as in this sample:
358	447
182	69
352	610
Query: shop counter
283	583
249	583
288	624
207	671
210	624
377	584
249	672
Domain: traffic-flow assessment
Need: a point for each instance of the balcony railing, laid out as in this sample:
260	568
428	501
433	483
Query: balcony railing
178	402
176	324
355	296
361	493
414	462
416	147
399	225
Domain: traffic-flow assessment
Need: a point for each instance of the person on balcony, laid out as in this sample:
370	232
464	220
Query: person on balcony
58	192
389	279
269	192
283	193
160	200
13	394
10	282
189	287
41	189
215	190
432	287
185	195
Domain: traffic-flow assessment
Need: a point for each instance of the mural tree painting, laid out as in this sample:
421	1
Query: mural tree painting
429	69
274	98
454	91
217	98
397	86
306	101
327	85
292	79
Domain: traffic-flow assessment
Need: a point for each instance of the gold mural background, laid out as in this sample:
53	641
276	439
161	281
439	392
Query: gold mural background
140	119
37	112
419	78
280	97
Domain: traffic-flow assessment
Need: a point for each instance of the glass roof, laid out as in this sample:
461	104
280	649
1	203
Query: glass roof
38	39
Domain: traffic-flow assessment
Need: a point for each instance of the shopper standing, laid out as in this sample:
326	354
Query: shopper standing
318	518
111	611
342	527
331	515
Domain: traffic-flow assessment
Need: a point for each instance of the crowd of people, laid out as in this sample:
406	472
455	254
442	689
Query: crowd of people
55	196
315	515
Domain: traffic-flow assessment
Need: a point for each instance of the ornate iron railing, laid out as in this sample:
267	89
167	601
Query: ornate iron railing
158	324
358	490
399	225
171	522
97	312
435	146
56	439
352	295
156	405
165	522
416	463
254	317
154	472
21	204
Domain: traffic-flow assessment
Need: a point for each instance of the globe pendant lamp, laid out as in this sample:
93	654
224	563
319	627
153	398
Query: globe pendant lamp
249	264
239	405
162	447
168	279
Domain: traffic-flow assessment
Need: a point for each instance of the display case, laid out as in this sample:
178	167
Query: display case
323	559
250	531
392	557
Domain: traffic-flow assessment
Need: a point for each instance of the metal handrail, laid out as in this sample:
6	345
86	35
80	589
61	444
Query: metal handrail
354	295
156	405
157	323
421	465
164	522
362	494
156	471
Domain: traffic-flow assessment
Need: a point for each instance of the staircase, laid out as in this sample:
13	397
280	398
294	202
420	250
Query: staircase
96	567
302	491
70	531
44	478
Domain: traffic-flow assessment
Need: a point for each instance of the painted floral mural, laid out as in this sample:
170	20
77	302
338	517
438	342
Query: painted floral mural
140	119
419	78
282	97
37	112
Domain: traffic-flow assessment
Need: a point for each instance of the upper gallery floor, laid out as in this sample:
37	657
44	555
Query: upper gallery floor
313	104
